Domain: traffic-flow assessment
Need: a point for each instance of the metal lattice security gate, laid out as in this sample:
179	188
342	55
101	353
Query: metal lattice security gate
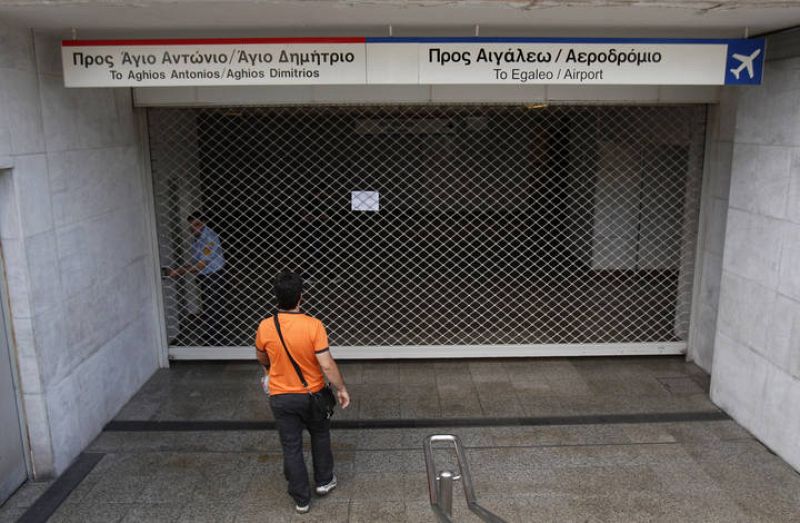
497	225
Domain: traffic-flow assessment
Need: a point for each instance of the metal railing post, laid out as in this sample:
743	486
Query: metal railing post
446	492
440	487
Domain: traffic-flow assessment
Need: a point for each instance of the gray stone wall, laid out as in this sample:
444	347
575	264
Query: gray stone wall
756	375
721	126
78	259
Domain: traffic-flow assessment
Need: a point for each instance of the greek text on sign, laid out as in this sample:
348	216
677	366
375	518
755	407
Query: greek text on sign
570	64
214	62
359	61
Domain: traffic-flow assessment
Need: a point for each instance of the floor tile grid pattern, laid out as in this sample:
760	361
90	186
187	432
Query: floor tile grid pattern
410	390
711	471
678	471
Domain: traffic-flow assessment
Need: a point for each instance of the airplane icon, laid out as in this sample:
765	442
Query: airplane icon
746	62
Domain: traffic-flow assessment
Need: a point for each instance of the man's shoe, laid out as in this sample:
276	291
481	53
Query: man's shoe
302	510
324	489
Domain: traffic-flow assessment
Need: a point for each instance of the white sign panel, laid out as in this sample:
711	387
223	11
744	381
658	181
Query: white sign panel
426	61
190	62
571	64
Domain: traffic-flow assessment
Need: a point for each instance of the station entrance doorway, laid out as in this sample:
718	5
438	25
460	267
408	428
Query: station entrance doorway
428	230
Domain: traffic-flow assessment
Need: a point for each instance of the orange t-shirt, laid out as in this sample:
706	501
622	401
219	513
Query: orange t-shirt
305	337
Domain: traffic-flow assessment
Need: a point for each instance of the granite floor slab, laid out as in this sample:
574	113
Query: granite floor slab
620	469
413	389
588	473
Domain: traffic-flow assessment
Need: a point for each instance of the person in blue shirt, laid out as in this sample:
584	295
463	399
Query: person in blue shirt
208	265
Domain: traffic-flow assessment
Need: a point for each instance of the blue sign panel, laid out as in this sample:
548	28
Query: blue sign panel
745	62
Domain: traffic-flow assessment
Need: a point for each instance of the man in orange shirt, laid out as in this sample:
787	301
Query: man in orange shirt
305	338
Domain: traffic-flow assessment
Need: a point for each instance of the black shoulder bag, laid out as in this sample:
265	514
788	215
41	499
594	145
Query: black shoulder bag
324	401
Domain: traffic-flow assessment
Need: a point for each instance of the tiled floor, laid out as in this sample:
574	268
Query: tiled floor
689	471
436	389
16	506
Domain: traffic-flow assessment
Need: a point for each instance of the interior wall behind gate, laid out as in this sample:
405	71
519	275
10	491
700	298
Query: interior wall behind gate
497	225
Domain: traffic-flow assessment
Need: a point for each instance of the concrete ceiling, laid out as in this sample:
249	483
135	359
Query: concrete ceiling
102	18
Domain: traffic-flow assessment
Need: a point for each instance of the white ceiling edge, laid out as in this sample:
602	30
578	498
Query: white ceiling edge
156	18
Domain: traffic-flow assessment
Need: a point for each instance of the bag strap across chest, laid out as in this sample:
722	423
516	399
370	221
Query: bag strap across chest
291	359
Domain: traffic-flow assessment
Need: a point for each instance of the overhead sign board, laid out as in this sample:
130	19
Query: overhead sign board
360	61
254	61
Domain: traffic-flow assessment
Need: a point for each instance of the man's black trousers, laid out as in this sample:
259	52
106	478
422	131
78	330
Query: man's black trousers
293	413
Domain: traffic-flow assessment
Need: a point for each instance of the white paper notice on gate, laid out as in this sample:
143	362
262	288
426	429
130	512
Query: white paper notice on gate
365	201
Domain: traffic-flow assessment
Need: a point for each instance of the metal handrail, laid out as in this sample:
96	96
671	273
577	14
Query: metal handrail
440	486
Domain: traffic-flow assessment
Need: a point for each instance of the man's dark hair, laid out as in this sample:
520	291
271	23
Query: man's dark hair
288	288
196	216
